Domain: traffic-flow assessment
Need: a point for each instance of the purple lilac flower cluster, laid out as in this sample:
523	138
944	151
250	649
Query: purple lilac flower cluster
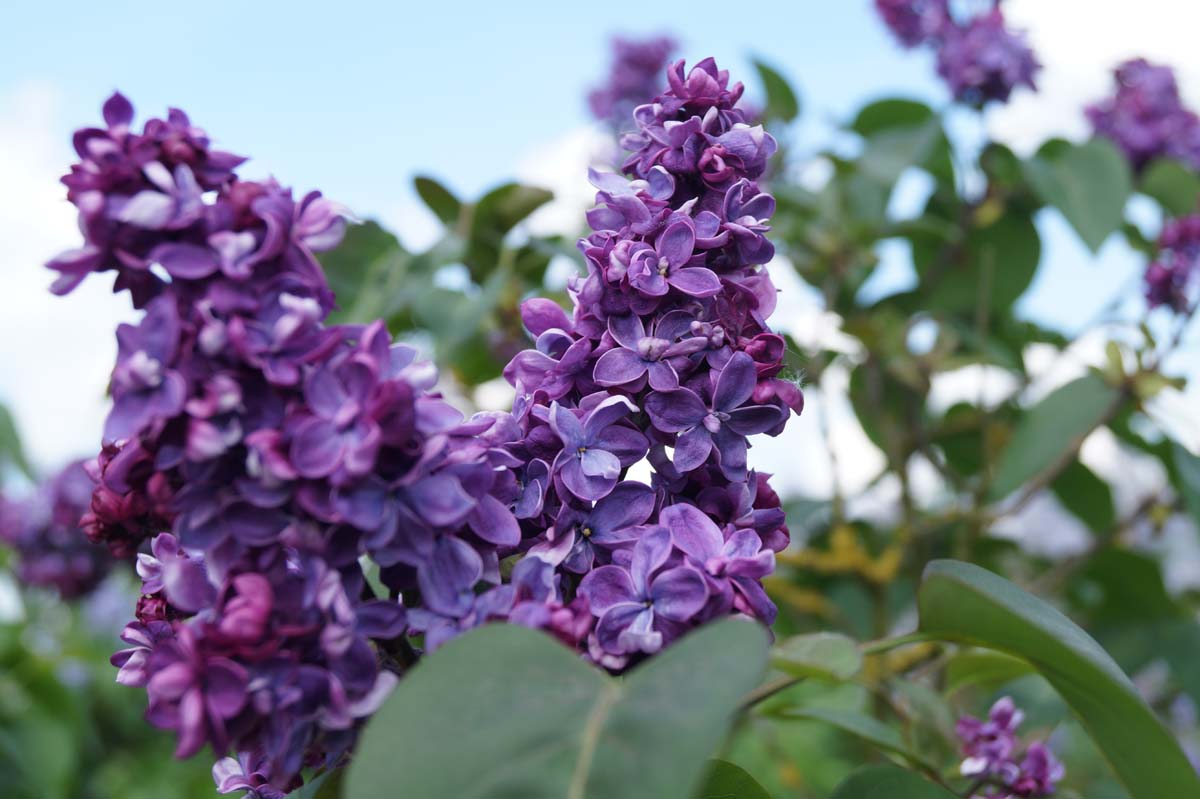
666	359
43	530
634	77
253	454
993	753
1146	117
980	59
1172	276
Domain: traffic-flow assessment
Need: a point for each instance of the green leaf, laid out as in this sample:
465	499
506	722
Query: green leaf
889	782
11	451
496	213
985	668
861	726
728	781
445	206
962	602
1089	183
1173	185
1187	466
782	103
1085	495
825	655
529	720
890	113
993	264
357	270
1052	429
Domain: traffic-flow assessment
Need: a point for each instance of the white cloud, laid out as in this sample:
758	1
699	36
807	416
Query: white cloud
1079	42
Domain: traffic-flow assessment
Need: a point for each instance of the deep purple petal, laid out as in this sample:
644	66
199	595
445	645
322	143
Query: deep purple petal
735	383
679	594
695	281
675	411
608	586
692	531
618	367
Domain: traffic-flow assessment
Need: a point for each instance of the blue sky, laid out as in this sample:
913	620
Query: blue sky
356	98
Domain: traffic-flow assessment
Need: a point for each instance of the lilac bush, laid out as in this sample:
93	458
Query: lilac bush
1146	117
994	755
43	531
259	461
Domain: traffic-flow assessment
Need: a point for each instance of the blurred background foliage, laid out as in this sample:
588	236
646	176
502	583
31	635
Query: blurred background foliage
954	478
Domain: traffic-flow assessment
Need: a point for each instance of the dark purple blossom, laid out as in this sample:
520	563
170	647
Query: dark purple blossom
634	77
721	424
993	752
914	22
1171	278
1146	116
983	60
44	531
644	607
595	448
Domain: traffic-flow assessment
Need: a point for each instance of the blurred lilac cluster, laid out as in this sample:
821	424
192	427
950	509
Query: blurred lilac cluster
1172	276
260	453
1146	117
994	755
635	76
980	59
43	530
666	358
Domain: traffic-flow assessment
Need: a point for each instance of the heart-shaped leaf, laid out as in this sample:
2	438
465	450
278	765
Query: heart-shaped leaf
508	713
962	602
1088	183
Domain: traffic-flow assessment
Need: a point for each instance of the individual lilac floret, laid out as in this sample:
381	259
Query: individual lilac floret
1172	276
993	753
634	77
983	60
914	22
720	424
646	606
44	531
1146	117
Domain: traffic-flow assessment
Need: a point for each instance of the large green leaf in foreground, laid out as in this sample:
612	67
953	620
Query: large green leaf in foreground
962	602
508	713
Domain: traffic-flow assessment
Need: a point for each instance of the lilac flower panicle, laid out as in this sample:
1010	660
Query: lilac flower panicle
993	752
254	454
1171	278
1146	116
914	22
634	77
666	348
44	531
984	60
980	58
